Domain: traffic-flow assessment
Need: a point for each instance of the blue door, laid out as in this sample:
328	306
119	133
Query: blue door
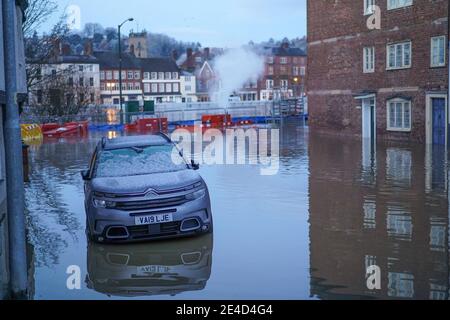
439	121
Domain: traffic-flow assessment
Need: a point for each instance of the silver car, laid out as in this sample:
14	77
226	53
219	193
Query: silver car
141	188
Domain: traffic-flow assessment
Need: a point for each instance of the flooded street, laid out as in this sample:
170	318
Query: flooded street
308	232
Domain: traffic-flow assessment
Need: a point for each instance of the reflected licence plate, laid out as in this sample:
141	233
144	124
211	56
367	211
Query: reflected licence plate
145	270
154	219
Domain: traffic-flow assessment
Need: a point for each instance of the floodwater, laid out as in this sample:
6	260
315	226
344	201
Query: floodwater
308	232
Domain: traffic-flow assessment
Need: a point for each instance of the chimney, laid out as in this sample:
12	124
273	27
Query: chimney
66	50
175	55
206	53
189	52
88	47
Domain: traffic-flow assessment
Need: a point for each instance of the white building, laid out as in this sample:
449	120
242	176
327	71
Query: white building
80	72
188	87
161	80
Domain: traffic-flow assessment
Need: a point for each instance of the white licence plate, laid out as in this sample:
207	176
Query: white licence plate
145	270
153	219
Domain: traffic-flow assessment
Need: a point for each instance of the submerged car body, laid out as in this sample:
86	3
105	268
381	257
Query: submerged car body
136	191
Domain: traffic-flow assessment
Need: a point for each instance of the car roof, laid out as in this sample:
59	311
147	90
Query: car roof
135	141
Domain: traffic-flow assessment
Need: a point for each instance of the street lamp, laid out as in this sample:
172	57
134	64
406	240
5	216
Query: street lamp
120	68
296	80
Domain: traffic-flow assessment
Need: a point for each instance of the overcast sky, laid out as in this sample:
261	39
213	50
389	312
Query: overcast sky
224	23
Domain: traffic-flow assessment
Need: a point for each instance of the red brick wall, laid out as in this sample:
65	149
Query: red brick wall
337	34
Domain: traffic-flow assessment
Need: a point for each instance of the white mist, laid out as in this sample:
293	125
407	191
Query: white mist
234	69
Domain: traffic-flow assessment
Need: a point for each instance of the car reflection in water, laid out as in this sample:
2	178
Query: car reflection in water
158	268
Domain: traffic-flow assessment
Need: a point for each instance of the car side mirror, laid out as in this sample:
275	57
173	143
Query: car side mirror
85	175
195	166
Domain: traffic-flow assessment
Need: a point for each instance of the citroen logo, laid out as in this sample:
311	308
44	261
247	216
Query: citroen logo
151	194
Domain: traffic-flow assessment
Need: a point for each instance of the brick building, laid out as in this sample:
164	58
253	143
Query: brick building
284	74
389	82
132	89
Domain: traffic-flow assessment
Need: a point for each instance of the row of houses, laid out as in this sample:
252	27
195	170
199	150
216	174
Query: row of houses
94	77
378	69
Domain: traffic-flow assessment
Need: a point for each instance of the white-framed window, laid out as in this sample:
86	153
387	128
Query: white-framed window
168	87
399	115
168	75
284	84
269	84
130	86
116	75
102	75
270	60
395	4
154	75
154	87
137	75
270	70
175	75
130	75
369	59
146	87
438	51
124	74
368	6
399	55
160	75
302	71
176	87
137	86
283	60
109	75
146	75
162	88
296	71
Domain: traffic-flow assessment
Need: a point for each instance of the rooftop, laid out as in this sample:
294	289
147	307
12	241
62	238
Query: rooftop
135	141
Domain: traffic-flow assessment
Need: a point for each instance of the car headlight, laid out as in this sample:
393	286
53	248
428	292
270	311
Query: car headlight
104	204
196	195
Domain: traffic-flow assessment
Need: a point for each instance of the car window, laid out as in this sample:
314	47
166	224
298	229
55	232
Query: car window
138	161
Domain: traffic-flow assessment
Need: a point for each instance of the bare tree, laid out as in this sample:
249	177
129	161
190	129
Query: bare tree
65	94
37	13
42	50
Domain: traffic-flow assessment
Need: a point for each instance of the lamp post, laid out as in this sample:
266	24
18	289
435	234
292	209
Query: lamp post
120	68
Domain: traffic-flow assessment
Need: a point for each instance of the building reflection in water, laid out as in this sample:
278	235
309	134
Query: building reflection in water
390	209
159	268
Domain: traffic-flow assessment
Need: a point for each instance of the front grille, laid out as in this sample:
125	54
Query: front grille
151	204
156	230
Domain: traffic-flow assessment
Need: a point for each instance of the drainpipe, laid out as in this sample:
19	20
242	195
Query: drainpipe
13	157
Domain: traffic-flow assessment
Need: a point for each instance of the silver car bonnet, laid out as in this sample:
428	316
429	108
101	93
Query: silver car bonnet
142	183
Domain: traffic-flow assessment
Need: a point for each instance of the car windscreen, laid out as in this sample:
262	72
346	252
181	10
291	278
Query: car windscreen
138	161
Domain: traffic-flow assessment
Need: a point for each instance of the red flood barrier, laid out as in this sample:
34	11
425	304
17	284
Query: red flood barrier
150	125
